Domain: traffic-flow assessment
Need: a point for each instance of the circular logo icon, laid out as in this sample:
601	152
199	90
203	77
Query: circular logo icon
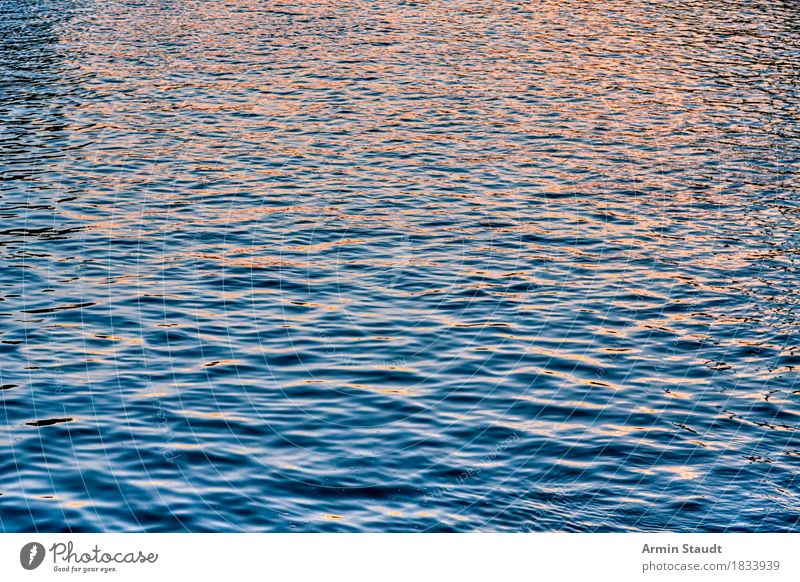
31	555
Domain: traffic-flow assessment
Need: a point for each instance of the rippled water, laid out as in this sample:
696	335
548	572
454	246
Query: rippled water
405	266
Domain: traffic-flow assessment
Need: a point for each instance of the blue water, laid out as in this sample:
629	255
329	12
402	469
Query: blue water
399	266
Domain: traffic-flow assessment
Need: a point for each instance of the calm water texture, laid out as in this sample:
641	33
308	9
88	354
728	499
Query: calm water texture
405	266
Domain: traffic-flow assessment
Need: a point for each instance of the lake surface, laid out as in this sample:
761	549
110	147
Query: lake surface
399	266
